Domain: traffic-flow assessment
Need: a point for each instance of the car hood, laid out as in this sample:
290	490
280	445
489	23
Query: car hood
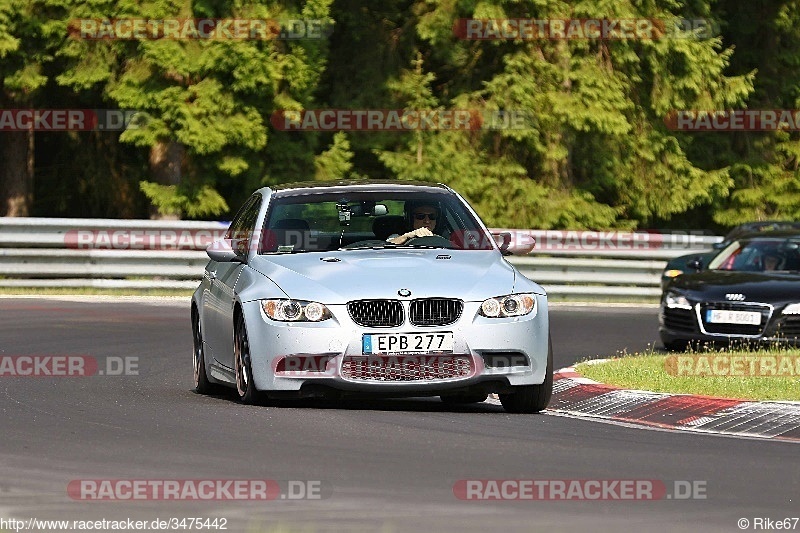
338	277
755	286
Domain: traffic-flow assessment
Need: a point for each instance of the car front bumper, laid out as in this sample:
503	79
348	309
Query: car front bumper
501	353
687	325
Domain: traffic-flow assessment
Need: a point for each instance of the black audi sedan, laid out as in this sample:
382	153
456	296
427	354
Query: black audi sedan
749	291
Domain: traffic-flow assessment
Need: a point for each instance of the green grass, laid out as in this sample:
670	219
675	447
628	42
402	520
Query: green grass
71	291
689	375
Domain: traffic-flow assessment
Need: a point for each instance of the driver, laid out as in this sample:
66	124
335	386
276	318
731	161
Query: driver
771	261
422	217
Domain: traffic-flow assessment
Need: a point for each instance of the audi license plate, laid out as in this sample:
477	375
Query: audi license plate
407	343
721	316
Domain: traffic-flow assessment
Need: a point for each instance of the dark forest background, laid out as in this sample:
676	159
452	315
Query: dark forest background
598	153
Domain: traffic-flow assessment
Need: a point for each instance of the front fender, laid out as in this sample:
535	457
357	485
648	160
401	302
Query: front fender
252	285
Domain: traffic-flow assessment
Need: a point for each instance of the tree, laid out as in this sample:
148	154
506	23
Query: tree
23	52
203	102
336	162
766	165
598	147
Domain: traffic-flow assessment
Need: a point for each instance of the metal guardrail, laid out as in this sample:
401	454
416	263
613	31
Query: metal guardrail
140	254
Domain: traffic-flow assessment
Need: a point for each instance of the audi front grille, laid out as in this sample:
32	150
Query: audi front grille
735	329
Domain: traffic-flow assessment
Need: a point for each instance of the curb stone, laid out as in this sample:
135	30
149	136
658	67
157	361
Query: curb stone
578	396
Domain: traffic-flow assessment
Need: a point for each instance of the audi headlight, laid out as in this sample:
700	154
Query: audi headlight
676	301
295	310
508	306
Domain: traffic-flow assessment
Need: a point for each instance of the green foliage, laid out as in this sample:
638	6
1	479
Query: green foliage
593	151
336	162
177	201
765	166
8	42
24	50
597	153
214	97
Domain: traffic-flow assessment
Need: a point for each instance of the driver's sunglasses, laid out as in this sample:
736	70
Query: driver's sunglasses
423	216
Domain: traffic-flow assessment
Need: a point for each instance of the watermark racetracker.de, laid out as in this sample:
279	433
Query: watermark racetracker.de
142	239
55	120
69	366
384	120
203	29
718	365
604	29
727	120
578	489
197	489
123	524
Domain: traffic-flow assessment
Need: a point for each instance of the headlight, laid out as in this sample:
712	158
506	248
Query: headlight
506	306
676	301
792	309
672	273
295	310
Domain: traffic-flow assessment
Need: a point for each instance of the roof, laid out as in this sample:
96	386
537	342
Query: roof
769	235
311	187
761	227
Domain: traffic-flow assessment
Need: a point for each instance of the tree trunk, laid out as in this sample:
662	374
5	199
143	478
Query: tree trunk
166	163
16	173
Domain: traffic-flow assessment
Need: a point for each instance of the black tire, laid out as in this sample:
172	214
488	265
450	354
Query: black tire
532	398
453	399
245	387
201	383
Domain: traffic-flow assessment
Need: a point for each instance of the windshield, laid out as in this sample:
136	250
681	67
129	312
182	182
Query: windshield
321	222
759	255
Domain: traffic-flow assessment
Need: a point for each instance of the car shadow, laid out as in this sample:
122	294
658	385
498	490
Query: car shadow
423	405
364	403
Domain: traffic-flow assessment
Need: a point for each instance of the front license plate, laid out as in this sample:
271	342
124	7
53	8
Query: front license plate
407	343
720	316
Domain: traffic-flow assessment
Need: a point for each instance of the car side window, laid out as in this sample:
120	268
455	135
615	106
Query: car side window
244	223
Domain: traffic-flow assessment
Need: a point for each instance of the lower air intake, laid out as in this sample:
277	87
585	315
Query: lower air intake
407	368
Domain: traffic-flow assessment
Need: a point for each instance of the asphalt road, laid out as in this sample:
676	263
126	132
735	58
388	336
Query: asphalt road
387	465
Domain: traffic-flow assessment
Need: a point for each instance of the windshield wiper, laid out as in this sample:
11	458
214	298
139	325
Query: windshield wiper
285	252
423	246
371	247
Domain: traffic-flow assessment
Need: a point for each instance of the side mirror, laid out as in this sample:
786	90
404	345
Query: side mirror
503	241
696	264
517	243
222	251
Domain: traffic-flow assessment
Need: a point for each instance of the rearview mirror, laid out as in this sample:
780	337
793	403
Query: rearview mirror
362	209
